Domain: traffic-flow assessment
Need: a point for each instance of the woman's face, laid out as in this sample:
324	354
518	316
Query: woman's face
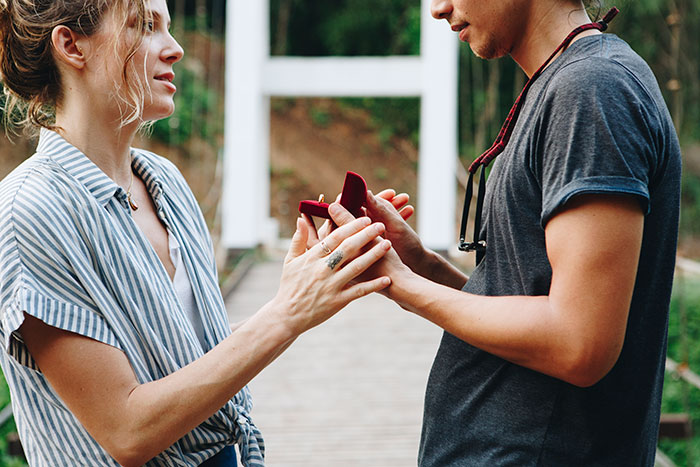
152	63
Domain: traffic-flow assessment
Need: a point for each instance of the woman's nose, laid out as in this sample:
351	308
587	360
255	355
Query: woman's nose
441	9
174	52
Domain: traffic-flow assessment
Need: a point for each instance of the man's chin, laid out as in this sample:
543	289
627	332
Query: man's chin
487	51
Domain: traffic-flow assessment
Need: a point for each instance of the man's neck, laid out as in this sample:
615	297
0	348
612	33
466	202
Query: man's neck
546	31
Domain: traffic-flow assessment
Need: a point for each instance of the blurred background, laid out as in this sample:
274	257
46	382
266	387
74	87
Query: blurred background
379	137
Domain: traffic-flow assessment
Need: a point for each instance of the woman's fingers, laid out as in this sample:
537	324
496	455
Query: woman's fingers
363	262
340	215
325	229
353	246
298	245
331	242
311	228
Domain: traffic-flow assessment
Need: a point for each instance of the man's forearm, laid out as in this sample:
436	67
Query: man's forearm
528	331
436	268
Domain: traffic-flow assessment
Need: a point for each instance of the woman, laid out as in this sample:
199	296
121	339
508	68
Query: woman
118	349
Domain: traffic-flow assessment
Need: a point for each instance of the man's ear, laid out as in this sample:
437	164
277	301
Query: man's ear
67	48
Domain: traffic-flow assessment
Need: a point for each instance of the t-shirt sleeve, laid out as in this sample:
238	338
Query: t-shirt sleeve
596	135
39	277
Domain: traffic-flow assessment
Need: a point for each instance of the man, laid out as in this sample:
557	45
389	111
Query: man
554	348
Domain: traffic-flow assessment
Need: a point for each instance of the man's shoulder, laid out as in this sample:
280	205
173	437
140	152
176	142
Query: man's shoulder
605	67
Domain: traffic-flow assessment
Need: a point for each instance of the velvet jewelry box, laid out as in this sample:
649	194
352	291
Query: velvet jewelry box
352	198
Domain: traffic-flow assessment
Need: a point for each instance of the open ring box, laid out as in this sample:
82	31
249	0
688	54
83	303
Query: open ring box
352	198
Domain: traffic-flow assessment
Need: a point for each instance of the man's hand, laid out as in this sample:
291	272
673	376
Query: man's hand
399	202
383	208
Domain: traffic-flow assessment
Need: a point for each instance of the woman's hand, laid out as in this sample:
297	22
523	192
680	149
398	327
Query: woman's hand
318	282
405	241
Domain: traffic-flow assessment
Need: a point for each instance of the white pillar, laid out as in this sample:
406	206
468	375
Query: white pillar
246	189
252	76
437	189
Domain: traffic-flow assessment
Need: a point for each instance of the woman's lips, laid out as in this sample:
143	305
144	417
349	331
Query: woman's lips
166	79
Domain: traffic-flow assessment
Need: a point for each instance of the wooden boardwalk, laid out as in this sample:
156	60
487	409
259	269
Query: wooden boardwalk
348	393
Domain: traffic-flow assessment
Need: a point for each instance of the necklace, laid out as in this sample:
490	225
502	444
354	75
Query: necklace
479	244
132	204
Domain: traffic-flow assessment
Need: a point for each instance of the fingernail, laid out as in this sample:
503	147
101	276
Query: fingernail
387	244
386	281
333	208
379	227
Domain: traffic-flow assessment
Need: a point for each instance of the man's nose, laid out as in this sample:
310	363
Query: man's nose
441	9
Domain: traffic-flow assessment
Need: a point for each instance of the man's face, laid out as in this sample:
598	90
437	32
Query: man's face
490	27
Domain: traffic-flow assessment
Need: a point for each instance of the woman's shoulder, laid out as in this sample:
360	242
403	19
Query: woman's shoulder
37	193
36	175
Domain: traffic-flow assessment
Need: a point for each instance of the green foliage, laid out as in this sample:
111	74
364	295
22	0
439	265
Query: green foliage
678	396
690	204
395	117
6	429
195	103
649	26
345	27
319	116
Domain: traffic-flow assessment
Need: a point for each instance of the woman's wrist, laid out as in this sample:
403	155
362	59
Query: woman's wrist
277	321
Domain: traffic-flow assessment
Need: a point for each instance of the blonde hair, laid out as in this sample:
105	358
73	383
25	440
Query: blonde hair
30	77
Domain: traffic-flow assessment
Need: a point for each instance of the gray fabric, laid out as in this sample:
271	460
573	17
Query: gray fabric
594	122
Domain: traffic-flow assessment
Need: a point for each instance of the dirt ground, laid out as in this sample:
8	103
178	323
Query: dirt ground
308	159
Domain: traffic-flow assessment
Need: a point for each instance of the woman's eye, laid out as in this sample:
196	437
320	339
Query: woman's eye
149	26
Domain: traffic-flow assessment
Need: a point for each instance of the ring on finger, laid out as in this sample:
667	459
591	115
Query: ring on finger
325	248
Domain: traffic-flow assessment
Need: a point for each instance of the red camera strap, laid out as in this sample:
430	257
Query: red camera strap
479	245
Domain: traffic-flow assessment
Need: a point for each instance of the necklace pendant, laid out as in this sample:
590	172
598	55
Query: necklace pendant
132	204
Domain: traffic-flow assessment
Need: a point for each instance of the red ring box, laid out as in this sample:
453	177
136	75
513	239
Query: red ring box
352	198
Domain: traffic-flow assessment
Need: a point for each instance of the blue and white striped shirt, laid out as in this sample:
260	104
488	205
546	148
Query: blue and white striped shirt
72	256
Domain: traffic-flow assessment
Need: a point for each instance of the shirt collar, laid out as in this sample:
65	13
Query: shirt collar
78	165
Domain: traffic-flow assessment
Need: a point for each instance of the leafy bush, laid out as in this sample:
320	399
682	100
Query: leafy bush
678	396
195	103
690	204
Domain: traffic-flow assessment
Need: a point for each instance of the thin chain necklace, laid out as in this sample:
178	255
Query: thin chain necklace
132	204
478	244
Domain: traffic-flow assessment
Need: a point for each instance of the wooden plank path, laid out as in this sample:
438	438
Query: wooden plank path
347	393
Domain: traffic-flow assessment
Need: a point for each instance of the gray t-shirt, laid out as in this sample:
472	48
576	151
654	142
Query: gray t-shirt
594	122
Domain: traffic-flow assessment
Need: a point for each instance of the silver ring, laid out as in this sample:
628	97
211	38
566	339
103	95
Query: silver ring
325	247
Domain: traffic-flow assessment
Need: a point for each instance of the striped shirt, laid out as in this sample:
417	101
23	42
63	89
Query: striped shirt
72	256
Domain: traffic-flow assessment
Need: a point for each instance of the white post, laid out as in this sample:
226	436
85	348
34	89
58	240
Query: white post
437	189
252	76
246	193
